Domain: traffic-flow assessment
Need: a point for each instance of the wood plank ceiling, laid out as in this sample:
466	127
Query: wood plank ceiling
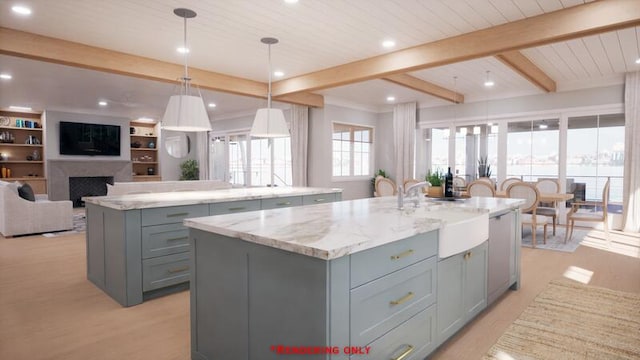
319	35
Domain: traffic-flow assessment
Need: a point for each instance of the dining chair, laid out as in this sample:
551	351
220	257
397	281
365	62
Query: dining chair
459	183
508	181
549	209
407	183
529	213
480	188
573	215
385	187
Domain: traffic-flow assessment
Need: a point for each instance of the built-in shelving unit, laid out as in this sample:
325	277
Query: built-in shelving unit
23	149
144	152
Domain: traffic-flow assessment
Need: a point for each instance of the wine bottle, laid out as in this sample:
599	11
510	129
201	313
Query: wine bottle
448	184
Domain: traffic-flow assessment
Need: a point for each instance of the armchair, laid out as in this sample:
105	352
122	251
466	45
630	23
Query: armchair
574	215
19	216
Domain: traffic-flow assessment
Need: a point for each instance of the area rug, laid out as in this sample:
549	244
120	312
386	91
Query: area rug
569	320
554	242
79	225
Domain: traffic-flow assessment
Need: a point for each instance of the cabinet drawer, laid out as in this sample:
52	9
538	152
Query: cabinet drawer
381	305
318	199
173	214
165	271
391	257
233	207
415	337
159	240
281	202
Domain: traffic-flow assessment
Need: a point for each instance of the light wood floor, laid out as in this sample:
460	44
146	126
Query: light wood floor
48	310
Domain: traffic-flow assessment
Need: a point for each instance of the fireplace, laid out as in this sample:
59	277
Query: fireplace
60	171
87	186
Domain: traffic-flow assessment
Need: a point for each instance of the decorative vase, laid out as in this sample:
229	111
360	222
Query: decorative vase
151	145
151	171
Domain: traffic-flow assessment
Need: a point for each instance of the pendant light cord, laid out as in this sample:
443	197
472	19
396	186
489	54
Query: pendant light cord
186	52
269	92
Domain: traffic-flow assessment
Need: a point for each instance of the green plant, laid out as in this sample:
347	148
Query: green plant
435	178
380	172
189	170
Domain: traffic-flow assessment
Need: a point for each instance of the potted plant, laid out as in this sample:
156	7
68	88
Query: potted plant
484	169
435	178
189	170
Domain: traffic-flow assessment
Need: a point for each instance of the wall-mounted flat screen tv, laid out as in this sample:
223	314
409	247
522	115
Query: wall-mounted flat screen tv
89	139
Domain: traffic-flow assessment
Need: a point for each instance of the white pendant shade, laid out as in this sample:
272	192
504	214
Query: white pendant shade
269	123
186	113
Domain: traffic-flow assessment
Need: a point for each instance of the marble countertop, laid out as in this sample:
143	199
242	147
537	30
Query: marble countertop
154	200
331	230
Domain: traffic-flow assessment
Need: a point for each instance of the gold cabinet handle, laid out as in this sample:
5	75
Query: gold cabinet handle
178	269
319	200
405	298
178	238
178	214
405	353
237	208
284	203
402	254
467	255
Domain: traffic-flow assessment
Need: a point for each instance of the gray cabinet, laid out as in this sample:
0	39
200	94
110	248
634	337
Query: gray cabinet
246	297
501	271
462	290
137	254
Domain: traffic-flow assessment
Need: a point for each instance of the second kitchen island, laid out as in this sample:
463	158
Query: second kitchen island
347	279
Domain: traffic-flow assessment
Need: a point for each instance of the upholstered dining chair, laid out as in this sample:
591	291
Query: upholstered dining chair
408	182
385	187
528	192
508	181
459	183
549	209
480	188
574	215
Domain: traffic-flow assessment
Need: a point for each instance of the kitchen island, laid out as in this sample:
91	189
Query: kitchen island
138	248
347	279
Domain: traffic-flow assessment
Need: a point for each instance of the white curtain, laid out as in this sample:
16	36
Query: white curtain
631	187
202	138
299	144
404	133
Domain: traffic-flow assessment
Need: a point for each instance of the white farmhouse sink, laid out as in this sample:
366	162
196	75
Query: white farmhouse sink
461	231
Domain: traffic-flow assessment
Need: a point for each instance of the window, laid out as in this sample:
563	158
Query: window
532	149
263	151
595	151
352	150
238	160
439	148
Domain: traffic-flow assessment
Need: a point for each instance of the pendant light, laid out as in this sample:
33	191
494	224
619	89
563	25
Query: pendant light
186	112
269	123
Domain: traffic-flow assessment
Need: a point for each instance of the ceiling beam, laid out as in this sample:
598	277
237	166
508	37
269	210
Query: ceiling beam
43	48
426	87
574	22
527	69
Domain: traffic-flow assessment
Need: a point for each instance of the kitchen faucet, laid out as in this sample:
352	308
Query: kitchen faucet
410	189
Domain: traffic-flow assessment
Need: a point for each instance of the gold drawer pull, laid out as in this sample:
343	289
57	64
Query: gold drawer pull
319	200
178	238
402	299
405	353
284	203
402	254
178	214
178	269
237	208
467	255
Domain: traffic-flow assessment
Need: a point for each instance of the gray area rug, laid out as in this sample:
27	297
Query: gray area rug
554	242
79	225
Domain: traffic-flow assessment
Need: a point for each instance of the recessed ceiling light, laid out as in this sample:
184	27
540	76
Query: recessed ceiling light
388	44
291	1
212	105
489	81
102	103
391	98
20	108
182	50
638	61
22	10
278	73
5	76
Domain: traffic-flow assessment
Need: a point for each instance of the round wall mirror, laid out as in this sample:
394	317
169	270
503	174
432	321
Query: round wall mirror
177	144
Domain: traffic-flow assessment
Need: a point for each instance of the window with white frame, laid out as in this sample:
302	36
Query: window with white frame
352	150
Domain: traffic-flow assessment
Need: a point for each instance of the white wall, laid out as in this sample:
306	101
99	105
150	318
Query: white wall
52	134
